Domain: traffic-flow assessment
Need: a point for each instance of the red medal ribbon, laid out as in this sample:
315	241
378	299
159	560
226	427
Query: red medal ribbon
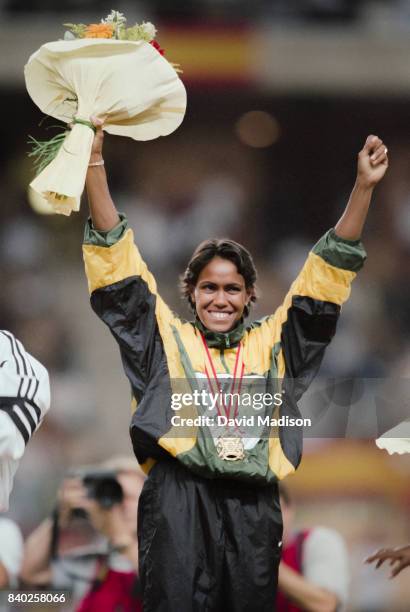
227	409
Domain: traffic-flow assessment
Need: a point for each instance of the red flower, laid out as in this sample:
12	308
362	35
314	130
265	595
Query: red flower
157	47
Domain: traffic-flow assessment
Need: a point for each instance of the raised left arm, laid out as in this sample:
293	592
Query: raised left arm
371	167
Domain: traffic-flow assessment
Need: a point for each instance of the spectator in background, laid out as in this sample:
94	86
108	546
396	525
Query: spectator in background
24	400
314	571
89	546
11	553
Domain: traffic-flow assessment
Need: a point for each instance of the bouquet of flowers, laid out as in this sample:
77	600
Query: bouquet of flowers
107	70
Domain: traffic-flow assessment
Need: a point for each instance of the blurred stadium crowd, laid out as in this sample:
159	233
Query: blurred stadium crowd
316	11
269	168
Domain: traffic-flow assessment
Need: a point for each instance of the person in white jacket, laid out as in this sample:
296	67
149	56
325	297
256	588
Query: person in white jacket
11	553
24	400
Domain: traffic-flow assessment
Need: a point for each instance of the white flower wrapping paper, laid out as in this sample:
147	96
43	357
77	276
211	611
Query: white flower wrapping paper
396	440
129	83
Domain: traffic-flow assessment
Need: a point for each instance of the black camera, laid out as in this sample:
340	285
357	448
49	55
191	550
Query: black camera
104	487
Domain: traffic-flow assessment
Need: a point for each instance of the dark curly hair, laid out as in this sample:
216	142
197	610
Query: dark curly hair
226	249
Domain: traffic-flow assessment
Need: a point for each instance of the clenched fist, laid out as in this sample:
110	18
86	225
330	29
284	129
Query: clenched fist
372	162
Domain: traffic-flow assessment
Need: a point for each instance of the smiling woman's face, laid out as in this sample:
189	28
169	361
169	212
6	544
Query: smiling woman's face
220	295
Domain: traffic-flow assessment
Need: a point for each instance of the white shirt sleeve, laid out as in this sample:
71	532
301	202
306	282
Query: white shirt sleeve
24	400
325	562
11	549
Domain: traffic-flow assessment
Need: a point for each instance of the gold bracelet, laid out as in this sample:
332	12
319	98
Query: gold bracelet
97	163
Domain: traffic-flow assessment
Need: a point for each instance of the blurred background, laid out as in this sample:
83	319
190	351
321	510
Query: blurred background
281	96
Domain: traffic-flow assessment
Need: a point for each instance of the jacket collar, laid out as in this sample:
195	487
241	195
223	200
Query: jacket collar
222	340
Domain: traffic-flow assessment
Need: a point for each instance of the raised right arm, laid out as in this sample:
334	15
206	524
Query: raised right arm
123	291
104	215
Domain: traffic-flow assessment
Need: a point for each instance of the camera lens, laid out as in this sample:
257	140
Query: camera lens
104	488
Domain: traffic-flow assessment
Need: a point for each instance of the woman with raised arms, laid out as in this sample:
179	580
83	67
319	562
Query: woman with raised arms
209	517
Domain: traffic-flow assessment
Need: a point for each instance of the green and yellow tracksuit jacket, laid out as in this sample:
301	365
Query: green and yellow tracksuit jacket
162	354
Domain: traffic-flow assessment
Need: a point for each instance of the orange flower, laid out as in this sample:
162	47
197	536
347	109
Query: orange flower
99	30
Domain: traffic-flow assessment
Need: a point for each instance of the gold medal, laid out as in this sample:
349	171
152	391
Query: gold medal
230	449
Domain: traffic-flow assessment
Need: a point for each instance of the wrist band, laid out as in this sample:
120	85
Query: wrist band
97	163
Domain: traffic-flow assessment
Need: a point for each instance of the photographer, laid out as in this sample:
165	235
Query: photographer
89	545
